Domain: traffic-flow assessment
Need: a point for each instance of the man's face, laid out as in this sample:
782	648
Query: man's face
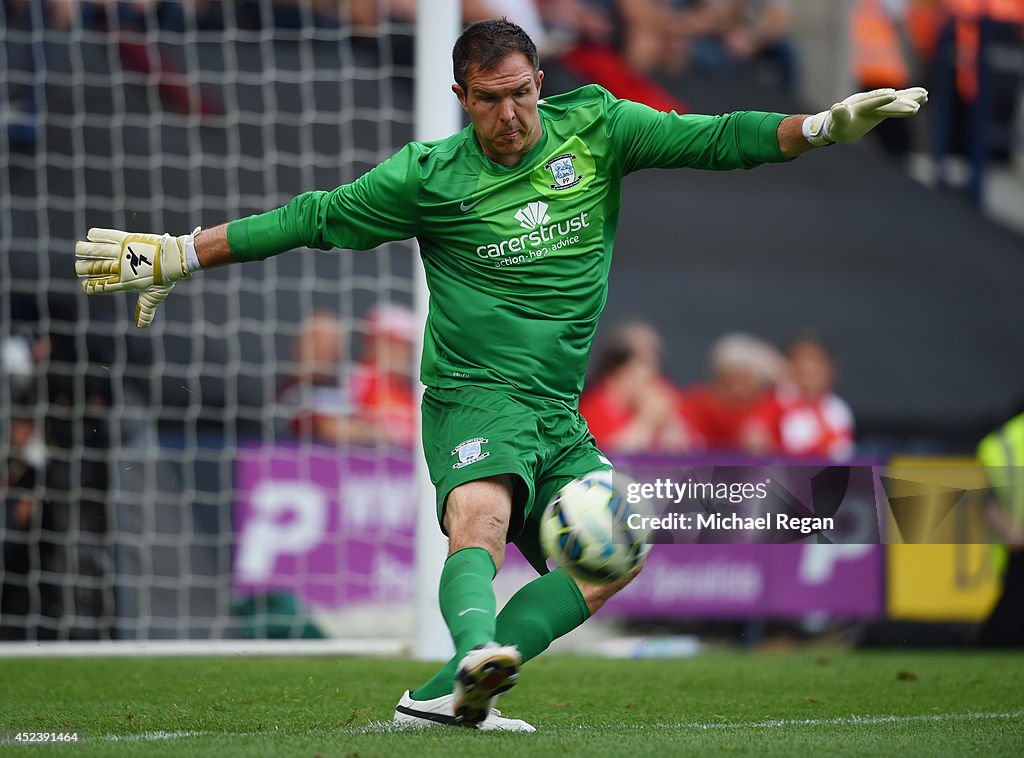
810	368
393	355
502	105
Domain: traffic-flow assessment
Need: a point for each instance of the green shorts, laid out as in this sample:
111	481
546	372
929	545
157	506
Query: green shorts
475	432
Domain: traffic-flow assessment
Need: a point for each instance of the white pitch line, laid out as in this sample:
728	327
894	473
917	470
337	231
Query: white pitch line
151	736
842	721
383	727
390	726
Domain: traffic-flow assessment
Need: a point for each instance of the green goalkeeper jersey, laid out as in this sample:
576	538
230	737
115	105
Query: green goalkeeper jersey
516	258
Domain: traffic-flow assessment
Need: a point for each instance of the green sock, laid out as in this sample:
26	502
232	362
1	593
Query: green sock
541	612
467	598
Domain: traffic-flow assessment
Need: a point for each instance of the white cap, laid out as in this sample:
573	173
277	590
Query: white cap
394	321
739	350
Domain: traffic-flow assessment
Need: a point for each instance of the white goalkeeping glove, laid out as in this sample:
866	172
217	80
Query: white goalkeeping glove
858	114
113	261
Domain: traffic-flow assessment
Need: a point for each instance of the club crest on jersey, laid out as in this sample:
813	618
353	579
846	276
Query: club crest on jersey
469	452
563	170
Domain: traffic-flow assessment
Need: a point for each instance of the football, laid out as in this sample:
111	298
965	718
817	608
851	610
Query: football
585	529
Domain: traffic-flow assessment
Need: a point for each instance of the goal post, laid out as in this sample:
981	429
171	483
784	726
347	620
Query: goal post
436	117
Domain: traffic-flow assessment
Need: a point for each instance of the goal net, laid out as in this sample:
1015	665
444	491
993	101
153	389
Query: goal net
243	468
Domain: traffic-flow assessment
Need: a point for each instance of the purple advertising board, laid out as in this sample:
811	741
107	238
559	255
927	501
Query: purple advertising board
338	530
333	529
740	581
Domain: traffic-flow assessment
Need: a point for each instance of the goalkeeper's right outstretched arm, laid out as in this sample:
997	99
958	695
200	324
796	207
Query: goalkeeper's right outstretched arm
114	261
378	207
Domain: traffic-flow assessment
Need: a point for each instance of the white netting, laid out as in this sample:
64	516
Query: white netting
161	445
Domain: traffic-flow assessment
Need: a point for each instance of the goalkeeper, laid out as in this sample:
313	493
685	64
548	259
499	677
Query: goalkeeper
515	217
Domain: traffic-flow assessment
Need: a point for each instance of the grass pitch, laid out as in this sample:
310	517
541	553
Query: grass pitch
935	704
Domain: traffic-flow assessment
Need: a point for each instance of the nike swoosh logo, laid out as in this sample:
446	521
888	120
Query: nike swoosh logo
467	207
470	610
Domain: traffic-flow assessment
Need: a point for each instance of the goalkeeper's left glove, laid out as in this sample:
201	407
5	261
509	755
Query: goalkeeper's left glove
114	261
858	114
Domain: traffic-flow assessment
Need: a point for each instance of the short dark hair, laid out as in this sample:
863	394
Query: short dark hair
619	348
808	337
486	44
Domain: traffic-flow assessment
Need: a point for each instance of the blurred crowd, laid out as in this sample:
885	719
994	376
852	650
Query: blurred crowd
653	35
612	42
369	401
54	477
624	45
756	399
898	43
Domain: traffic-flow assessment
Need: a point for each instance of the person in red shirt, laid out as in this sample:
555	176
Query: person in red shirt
381	383
314	396
630	407
370	404
803	418
742	368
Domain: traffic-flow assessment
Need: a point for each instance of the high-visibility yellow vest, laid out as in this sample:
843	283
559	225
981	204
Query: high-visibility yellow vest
1002	454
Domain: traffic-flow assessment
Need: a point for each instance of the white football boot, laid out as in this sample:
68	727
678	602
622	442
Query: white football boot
440	711
484	673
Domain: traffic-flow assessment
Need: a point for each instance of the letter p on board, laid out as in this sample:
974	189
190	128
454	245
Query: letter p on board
288	518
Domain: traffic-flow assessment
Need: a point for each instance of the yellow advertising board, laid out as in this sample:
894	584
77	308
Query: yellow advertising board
943	582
